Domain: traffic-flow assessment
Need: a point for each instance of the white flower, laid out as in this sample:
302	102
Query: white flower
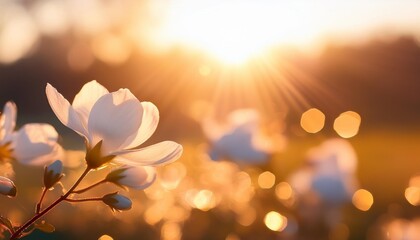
32	144
7	187
240	139
114	125
133	177
330	172
117	201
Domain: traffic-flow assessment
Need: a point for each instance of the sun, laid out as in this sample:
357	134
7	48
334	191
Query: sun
236	31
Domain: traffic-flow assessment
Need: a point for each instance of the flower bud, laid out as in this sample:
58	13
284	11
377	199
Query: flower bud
117	201
132	177
7	187
53	173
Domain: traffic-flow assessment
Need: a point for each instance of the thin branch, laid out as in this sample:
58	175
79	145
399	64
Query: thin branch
39	204
18	232
90	187
84	199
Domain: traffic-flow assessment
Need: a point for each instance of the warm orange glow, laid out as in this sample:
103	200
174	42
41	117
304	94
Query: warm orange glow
312	120
171	231
203	199
235	31
347	124
247	216
111	49
362	199
266	180
412	194
105	237
284	191
275	221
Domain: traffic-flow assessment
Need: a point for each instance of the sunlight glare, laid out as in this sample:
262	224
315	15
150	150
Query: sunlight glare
236	31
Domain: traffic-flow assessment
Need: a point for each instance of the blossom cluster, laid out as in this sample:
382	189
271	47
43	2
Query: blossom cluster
113	125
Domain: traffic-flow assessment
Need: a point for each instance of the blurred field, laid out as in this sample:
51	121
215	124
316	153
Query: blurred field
384	169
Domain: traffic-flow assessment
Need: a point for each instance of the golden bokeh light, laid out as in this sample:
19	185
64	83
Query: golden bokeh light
171	231
362	200
111	49
312	120
232	236
105	237
275	221
284	191
266	180
18	36
203	199
347	124
246	216
51	17
412	194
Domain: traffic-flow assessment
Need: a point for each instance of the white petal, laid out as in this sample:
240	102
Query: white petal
138	177
36	144
160	153
86	98
148	125
7	122
64	112
114	118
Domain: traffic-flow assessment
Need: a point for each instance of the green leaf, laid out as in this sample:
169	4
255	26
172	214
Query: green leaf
45	227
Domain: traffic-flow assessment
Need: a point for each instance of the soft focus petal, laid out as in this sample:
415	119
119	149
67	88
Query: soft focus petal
160	153
114	118
7	122
133	177
36	144
86	98
148	126
64	112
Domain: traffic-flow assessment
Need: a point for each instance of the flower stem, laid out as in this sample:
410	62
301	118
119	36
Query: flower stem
90	187
84	199
39	204
18	232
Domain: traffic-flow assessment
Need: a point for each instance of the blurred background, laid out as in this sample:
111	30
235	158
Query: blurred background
299	119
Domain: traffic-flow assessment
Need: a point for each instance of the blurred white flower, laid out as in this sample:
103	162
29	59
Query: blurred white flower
114	125
117	201
32	144
330	173
323	186
7	187
334	164
240	139
133	177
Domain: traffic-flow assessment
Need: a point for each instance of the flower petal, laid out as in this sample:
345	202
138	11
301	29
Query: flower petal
86	98
7	122
36	144
138	177
114	118
157	154
148	126
64	112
